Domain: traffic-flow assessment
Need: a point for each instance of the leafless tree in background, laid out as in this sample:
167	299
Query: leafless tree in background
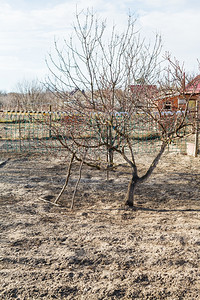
3	95
111	84
30	95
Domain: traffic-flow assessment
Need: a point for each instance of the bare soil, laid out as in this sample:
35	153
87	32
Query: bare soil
101	249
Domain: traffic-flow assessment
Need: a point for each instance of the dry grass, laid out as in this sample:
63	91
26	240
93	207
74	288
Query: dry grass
100	250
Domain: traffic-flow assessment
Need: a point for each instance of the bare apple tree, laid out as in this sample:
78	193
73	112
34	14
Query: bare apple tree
112	84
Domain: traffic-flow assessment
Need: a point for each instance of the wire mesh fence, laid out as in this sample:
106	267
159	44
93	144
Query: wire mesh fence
35	132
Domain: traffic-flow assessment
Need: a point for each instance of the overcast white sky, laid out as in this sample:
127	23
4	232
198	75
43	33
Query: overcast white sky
28	28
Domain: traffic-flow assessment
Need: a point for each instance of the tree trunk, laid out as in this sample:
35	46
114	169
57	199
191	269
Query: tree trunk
110	158
131	191
135	179
110	150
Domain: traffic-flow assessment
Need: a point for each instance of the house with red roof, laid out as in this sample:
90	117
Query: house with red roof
177	101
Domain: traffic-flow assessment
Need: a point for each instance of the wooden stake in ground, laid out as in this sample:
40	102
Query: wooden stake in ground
67	179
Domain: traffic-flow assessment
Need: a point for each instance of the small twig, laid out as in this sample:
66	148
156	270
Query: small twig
53	203
67	179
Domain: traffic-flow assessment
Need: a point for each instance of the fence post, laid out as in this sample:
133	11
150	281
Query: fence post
20	135
196	145
50	120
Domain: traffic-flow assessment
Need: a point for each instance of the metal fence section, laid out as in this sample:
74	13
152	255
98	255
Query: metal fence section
32	132
23	132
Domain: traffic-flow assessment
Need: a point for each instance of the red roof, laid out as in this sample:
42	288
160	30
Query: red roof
194	86
146	88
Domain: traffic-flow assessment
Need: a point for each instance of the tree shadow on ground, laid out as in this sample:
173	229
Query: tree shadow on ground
166	210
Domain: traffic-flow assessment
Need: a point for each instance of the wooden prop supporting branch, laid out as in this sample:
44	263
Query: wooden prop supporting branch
67	179
79	178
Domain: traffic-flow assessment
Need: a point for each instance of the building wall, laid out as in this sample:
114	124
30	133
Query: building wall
177	102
